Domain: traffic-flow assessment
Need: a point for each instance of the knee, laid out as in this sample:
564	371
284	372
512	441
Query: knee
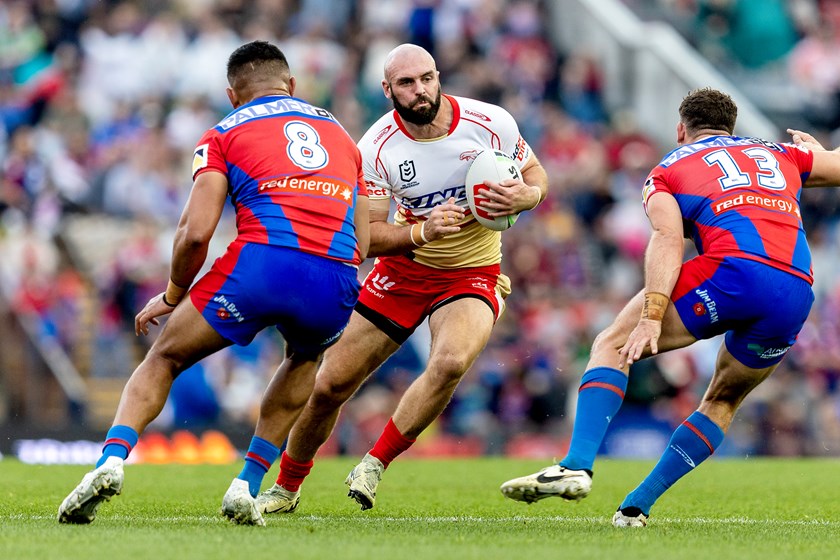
608	339
164	361
446	370
329	394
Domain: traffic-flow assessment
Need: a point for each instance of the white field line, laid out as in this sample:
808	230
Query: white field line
370	520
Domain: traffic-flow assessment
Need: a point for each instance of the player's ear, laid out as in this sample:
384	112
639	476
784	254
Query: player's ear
292	86
681	133
232	97
386	88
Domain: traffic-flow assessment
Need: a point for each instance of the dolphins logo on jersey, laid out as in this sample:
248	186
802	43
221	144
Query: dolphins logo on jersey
469	155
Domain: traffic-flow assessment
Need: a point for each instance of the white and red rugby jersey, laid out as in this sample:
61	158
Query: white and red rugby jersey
420	174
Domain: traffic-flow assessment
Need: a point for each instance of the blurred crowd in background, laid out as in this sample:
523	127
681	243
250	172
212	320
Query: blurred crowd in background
101	103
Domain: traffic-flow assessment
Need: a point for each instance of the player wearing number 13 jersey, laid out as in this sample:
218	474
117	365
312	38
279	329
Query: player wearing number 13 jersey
738	199
294	176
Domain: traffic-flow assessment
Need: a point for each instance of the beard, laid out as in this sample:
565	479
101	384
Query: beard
419	117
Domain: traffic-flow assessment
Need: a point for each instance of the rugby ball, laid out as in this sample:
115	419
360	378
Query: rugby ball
489	165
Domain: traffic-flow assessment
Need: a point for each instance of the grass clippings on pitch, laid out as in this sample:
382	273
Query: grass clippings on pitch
446	509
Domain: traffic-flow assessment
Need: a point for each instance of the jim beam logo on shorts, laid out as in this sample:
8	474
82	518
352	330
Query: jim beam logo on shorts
709	303
228	309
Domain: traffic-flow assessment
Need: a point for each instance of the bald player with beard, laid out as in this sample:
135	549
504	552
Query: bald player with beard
434	261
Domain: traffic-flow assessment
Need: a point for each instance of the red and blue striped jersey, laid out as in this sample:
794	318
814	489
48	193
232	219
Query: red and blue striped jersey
293	175
739	197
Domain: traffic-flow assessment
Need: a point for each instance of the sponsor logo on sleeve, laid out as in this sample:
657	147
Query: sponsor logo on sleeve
648	189
376	191
521	151
200	158
477	115
381	133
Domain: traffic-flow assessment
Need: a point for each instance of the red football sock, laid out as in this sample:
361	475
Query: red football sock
292	473
390	444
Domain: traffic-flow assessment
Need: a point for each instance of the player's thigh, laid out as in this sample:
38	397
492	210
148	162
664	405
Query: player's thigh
460	330
187	337
362	348
674	333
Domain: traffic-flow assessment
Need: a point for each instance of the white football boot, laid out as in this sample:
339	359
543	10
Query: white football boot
363	480
629	517
278	500
239	506
97	486
551	482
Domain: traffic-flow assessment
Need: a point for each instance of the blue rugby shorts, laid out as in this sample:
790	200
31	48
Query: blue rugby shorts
760	308
252	286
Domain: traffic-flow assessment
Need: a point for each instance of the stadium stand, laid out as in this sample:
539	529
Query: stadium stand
101	103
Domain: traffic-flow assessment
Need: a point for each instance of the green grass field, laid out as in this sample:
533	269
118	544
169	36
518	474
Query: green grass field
448	509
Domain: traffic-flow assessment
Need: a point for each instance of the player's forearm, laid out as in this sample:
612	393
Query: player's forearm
535	176
388	239
663	260
188	255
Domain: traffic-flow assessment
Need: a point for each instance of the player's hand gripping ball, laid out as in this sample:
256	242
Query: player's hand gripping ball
489	165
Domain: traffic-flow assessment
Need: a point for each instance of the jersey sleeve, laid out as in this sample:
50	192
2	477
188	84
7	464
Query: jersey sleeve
655	182
208	155
375	176
511	140
802	157
361	185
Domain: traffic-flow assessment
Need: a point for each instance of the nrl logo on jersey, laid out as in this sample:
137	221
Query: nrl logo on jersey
407	171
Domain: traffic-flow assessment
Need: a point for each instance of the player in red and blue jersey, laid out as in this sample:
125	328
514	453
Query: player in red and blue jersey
295	178
738	200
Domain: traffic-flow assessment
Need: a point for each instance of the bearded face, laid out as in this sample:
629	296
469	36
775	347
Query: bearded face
418	115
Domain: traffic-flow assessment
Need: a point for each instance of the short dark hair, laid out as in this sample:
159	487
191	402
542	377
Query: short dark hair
708	108
256	56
